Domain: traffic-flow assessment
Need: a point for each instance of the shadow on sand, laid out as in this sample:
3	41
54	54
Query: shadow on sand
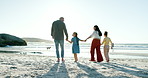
91	72
58	70
127	69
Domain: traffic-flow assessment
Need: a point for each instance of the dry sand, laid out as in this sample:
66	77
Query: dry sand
33	66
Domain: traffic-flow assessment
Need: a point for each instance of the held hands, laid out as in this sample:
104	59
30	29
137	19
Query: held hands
83	40
66	39
86	40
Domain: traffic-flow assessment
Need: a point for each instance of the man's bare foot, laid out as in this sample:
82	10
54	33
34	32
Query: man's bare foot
63	60
58	60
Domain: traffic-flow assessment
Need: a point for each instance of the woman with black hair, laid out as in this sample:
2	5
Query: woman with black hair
96	35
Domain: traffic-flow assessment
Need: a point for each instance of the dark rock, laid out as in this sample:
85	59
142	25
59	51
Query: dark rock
10	40
8	77
13	67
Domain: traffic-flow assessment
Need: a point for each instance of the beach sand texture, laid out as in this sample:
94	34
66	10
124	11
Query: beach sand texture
33	66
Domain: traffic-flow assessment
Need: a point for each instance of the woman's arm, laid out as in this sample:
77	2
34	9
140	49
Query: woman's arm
90	36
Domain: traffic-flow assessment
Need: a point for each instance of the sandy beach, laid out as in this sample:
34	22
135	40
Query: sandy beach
35	66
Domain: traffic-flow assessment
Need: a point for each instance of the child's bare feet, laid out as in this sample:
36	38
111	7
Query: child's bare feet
107	61
76	61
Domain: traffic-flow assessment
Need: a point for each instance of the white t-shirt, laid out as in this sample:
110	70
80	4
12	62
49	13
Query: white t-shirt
95	34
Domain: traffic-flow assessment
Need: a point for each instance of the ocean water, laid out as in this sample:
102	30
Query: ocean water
40	48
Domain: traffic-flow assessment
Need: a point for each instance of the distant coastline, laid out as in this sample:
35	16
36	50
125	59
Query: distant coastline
27	39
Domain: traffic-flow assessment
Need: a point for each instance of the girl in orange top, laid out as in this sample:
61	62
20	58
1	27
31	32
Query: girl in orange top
106	42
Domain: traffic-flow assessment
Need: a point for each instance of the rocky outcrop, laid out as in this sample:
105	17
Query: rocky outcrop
6	39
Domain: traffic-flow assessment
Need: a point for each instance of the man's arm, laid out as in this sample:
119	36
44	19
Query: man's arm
52	29
65	31
69	41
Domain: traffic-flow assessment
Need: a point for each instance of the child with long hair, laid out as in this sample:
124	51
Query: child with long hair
106	42
75	47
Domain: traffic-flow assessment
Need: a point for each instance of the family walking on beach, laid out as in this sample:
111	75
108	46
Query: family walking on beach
59	29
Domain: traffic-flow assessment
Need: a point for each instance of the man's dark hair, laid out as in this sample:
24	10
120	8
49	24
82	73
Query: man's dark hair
61	17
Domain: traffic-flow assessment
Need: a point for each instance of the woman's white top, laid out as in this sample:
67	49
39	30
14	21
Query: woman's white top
95	34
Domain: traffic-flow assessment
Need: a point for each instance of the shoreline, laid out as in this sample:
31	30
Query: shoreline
122	55
32	66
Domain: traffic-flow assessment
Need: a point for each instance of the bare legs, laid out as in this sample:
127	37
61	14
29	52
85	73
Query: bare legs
75	56
106	51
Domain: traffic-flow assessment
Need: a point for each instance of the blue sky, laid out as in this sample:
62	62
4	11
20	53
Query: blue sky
125	20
